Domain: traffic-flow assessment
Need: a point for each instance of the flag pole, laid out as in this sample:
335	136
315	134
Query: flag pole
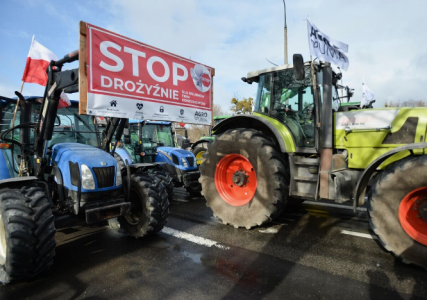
20	90
313	76
17	104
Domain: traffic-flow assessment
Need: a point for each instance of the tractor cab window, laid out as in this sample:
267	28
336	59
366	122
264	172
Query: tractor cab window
159	134
7	116
293	105
262	104
133	148
290	101
74	128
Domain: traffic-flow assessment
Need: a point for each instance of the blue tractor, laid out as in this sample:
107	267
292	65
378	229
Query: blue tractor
53	166
153	142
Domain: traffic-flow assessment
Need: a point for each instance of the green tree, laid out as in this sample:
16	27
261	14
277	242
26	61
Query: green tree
242	106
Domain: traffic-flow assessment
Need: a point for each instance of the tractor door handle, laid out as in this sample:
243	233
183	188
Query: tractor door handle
348	129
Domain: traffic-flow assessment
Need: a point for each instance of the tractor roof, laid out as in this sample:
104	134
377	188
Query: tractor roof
253	76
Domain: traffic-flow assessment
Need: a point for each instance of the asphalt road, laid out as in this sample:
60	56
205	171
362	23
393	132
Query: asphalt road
310	252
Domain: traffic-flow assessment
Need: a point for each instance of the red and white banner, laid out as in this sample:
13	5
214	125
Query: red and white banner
129	79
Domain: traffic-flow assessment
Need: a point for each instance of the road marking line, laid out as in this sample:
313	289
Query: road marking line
193	238
333	205
359	234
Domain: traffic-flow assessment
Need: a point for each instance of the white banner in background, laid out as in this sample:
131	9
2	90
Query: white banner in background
365	119
367	95
326	48
144	110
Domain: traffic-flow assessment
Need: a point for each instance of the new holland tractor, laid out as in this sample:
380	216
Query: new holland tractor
153	142
52	167
298	145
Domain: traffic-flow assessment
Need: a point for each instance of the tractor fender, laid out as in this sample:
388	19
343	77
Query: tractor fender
359	194
124	154
254	122
202	141
17	181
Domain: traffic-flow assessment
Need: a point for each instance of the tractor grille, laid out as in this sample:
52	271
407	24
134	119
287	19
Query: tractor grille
104	176
190	160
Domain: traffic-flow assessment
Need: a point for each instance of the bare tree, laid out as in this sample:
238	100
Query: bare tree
217	110
406	103
195	132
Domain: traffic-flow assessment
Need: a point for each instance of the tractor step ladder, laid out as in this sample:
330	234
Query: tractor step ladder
304	176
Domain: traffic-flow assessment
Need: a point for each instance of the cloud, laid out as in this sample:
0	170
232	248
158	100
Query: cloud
386	38
236	37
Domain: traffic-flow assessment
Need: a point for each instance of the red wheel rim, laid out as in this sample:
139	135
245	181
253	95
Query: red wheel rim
235	179
413	215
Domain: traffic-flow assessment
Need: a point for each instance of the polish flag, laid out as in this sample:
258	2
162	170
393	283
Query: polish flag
64	101
38	59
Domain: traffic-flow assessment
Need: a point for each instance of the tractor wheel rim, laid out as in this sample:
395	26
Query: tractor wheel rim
412	215
235	179
3	246
199	157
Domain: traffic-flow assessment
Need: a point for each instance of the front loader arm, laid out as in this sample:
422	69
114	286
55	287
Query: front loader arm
58	81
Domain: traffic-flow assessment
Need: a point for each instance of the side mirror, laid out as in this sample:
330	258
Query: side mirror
298	67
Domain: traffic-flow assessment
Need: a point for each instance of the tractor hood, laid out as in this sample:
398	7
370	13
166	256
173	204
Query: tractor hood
176	156
82	154
69	157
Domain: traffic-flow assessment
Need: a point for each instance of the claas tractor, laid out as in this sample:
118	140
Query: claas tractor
53	166
298	145
148	141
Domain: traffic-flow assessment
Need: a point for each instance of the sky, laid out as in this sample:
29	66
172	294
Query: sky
387	39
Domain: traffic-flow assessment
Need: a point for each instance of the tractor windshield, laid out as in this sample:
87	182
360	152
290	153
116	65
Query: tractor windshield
156	133
75	128
289	101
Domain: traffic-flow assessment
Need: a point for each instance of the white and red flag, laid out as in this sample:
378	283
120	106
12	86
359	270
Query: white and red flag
38	59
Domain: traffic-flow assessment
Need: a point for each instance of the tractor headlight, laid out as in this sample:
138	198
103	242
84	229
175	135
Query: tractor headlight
118	176
184	162
88	182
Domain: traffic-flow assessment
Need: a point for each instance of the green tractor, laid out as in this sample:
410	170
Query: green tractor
296	145
200	147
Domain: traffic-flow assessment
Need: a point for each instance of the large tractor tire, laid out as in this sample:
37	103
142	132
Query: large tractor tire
27	233
244	178
397	207
149	206
166	180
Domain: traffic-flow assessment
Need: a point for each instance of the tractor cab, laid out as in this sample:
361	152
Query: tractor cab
70	127
289	101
